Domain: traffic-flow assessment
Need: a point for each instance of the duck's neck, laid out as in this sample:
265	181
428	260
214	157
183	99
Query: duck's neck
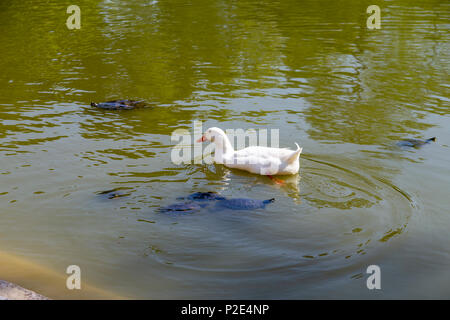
223	150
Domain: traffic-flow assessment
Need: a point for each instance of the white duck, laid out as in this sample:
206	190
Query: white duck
260	160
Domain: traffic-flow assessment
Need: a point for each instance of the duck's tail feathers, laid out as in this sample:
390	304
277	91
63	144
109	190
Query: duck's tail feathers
296	154
432	139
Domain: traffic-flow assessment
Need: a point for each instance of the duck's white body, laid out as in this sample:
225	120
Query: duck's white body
259	160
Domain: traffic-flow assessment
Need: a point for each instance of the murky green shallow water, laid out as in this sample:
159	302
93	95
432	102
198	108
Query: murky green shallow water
311	69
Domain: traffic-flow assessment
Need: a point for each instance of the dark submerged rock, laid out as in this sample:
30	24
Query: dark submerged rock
243	204
414	143
119	104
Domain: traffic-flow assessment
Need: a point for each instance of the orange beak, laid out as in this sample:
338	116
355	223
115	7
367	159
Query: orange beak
202	139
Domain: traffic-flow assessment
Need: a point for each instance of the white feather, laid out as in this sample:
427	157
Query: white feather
255	159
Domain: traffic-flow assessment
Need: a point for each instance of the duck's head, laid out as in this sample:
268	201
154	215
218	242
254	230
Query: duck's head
213	135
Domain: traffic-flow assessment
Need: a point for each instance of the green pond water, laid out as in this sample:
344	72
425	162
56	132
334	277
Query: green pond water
311	69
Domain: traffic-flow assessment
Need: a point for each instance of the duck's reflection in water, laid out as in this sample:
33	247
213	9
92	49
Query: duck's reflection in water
289	185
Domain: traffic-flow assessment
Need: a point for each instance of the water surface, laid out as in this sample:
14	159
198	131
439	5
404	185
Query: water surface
311	69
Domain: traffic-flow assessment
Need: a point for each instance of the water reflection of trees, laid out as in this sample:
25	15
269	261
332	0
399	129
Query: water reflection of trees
361	86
